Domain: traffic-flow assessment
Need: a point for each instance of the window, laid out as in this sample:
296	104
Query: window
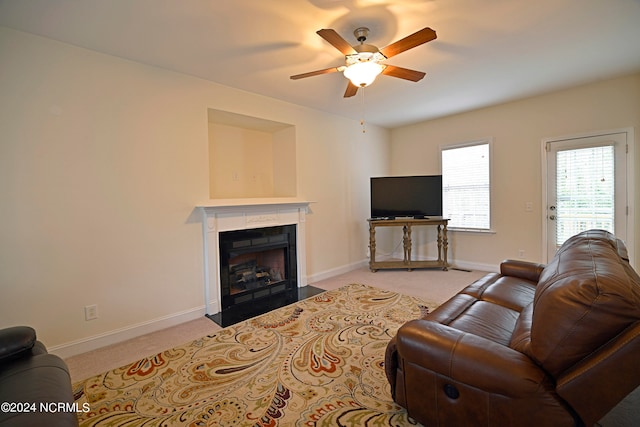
466	186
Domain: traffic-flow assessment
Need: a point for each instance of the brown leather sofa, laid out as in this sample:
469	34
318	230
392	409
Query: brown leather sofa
554	345
35	387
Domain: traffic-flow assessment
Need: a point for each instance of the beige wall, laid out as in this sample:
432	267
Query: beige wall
241	162
517	129
102	162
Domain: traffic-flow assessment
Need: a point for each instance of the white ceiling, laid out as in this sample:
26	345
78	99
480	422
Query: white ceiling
487	51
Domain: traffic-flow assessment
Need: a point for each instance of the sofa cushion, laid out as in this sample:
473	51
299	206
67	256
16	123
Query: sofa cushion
489	307
586	294
512	292
521	338
484	319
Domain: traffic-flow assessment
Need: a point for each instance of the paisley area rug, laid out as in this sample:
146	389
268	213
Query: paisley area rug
318	362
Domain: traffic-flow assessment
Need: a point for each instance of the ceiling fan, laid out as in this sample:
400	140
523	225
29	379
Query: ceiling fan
364	61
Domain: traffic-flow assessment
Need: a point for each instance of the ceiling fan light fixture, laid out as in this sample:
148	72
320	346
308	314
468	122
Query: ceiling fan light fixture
362	74
364	62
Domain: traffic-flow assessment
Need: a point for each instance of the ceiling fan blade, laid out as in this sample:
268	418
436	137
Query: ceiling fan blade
336	41
317	73
351	90
409	42
403	73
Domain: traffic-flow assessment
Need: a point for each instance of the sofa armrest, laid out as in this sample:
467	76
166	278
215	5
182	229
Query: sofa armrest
15	341
43	378
470	359
594	373
521	269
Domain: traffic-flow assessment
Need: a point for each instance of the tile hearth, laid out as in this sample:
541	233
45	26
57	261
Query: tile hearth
237	314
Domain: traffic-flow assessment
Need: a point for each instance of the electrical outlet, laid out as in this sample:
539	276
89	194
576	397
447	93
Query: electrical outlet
91	312
521	253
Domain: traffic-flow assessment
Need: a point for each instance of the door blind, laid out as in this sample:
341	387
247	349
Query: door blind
585	187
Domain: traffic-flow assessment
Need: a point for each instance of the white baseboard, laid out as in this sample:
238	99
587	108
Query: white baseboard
122	334
464	265
336	271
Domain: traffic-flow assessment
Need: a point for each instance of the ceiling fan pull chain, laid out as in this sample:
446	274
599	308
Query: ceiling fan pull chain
364	129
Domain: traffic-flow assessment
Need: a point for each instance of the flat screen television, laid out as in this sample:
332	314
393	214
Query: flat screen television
406	196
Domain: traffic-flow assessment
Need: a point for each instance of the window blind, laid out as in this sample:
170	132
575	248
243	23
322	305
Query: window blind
466	186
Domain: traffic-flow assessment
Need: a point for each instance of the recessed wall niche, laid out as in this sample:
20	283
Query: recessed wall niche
250	157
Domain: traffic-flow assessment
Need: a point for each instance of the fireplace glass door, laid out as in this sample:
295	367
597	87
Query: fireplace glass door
257	264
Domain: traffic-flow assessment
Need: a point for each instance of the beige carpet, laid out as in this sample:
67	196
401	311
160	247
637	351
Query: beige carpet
316	362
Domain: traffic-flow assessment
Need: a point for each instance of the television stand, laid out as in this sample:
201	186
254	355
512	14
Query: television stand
407	262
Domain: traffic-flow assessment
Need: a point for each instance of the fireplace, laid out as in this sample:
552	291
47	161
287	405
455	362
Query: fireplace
241	227
256	265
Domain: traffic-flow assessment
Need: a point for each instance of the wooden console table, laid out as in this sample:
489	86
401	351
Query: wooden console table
407	262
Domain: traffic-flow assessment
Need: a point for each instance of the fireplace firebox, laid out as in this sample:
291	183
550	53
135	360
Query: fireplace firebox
257	265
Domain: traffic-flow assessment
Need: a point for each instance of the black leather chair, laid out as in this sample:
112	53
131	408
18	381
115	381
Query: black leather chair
35	386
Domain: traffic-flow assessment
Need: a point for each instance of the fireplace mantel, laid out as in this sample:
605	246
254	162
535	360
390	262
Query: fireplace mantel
243	214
